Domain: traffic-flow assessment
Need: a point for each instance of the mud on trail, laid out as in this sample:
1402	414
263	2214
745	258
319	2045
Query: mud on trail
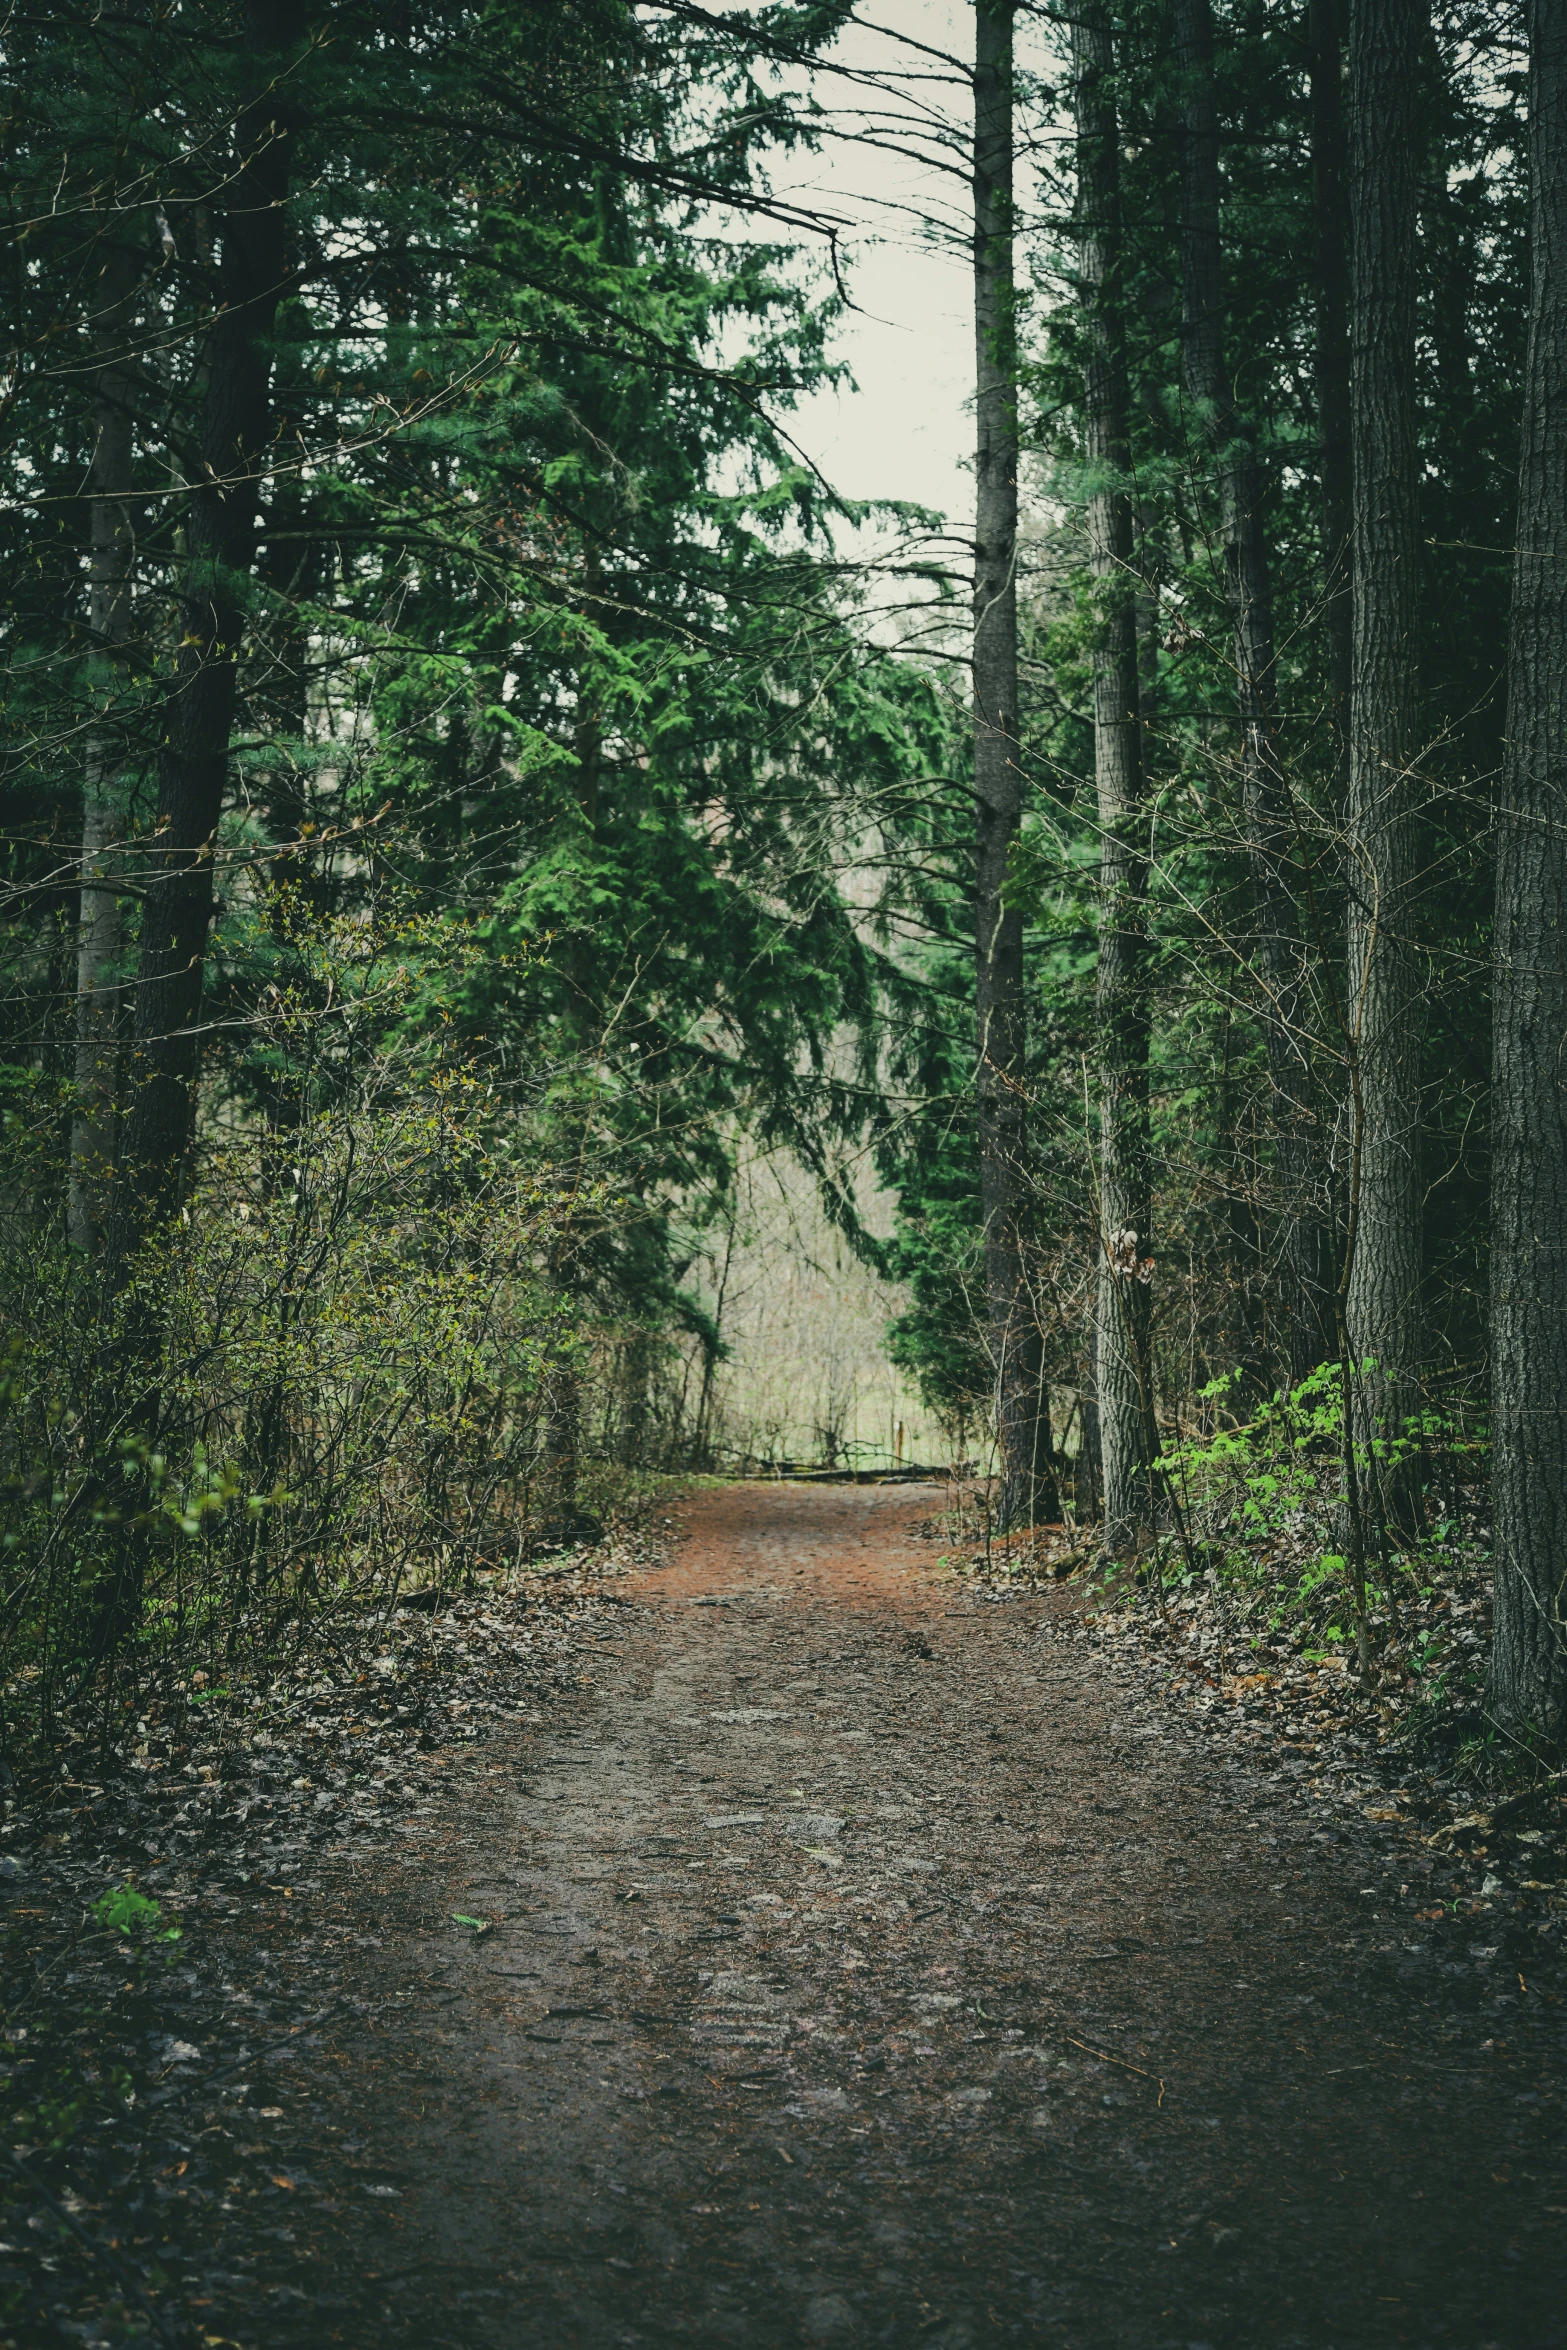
871	1965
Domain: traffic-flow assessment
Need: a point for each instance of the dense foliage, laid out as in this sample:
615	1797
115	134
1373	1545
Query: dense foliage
456	794
549	727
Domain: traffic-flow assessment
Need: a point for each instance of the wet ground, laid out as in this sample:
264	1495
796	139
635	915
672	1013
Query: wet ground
866	1964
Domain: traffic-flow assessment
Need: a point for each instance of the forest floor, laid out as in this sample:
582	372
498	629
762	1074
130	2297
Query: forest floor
853	1956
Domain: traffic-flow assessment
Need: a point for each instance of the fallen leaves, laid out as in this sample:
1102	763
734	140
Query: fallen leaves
1470	1824
215	1800
1235	1658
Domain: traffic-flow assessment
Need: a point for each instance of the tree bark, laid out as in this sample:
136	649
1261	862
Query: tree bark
1299	1160
178	861
1382	1302
582	1025
1124	1369
1528	1678
1026	1485
1331	364
100	932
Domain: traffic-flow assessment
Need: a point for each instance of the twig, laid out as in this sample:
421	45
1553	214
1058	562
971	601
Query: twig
1511	1805
1124	2062
279	2043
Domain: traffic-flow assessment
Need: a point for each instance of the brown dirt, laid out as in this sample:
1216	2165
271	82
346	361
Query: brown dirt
871	1966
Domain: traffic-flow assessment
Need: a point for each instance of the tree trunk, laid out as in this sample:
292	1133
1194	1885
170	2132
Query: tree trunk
1124	1371
562	1442
1089	1483
581	1022
1528	1683
1299	1159
636	1381
178	861
100	930
1382	1304
1331	361
1027	1483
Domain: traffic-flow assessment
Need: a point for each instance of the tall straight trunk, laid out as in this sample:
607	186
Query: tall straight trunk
177	868
1382	1298
1088	1486
1145	551
563	1433
1331	365
562	1449
1026	1483
1124	1370
636	1381
1299	1159
100	932
1528	1685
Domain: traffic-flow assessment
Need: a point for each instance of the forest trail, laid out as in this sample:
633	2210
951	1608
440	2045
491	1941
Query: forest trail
870	1966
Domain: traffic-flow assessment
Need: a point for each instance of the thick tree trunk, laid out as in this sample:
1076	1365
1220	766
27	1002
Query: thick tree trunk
177	874
100	936
1382	1301
1331	366
1299	1158
1528	1687
1026	1490
1124	1370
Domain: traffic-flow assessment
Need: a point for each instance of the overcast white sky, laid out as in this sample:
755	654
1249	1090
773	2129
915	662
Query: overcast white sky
906	430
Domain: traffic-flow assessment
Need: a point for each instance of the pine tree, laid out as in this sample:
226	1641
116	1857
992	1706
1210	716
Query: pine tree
177	866
1286	1011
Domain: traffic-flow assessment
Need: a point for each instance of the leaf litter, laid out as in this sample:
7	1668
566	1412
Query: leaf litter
140	2064
181	2152
1403	1751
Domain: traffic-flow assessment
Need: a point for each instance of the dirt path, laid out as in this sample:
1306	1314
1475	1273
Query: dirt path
872	1967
